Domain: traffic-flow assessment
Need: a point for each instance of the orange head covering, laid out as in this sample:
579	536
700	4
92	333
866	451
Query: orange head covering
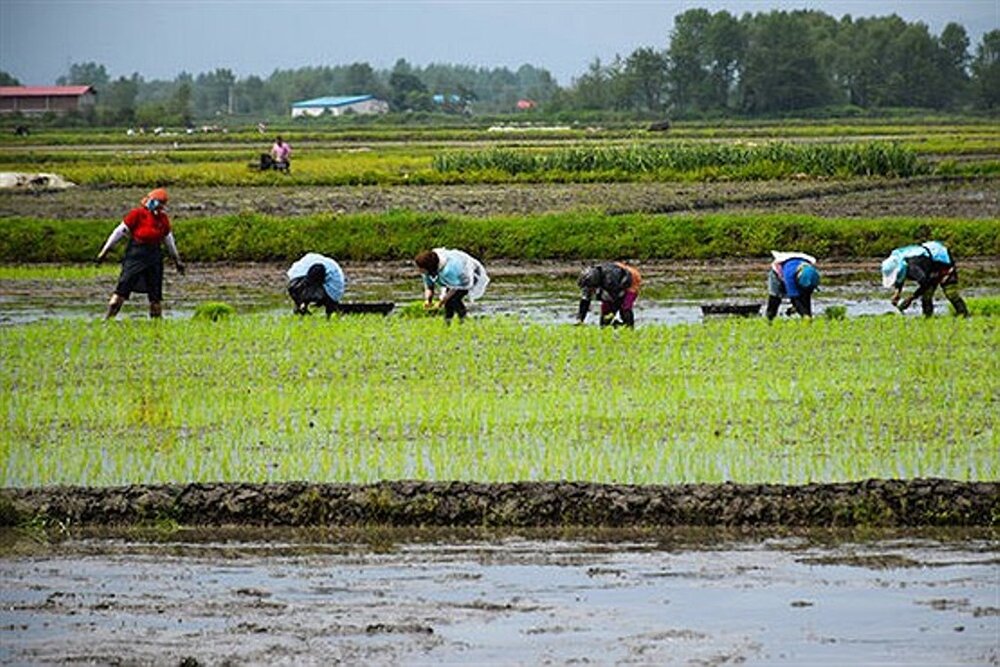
158	193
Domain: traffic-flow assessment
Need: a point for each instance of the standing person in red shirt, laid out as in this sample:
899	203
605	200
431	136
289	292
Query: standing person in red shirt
146	227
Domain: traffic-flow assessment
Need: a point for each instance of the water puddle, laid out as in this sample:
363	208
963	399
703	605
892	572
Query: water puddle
706	598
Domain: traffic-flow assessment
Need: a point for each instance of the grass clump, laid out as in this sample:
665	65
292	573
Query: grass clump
213	311
985	306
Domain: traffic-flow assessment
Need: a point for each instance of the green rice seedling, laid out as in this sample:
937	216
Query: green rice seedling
835	312
984	306
213	311
263	398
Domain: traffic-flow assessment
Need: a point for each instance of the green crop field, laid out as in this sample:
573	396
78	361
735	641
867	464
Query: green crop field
258	398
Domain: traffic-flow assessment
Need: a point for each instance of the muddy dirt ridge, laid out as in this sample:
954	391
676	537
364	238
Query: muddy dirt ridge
926	196
917	502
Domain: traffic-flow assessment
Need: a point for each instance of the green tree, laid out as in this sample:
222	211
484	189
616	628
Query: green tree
84	74
986	72
213	93
705	53
179	107
7	79
406	90
594	89
782	71
117	104
954	57
645	73
360	79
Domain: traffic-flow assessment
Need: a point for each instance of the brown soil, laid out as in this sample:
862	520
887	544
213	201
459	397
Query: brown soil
920	502
963	198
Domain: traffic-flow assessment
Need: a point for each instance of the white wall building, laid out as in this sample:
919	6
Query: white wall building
338	106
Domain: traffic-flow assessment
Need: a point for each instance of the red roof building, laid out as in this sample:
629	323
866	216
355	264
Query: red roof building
46	99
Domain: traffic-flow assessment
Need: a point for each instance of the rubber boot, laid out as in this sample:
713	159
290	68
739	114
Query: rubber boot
114	305
957	302
155	310
927	304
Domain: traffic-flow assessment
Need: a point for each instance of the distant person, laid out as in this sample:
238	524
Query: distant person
315	279
793	275
457	274
616	284
929	265
146	227
281	153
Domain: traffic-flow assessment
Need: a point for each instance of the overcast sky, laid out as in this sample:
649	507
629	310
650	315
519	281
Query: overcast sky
159	39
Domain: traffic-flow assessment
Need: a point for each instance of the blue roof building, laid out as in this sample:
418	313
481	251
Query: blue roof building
338	106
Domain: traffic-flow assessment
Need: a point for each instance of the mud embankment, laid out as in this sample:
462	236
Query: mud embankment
889	503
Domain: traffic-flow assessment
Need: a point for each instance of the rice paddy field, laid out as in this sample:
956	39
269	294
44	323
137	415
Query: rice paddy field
519	399
528	490
363	399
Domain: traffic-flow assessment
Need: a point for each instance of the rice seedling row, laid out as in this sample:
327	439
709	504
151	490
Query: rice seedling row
261	398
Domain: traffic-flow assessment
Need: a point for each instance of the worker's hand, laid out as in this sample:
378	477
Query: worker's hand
181	269
429	305
895	299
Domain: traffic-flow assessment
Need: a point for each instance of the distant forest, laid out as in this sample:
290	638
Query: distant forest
714	64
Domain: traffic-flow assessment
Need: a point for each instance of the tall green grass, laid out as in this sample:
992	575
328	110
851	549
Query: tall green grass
357	399
400	235
770	160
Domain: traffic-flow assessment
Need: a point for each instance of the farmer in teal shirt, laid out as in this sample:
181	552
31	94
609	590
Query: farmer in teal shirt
929	265
457	274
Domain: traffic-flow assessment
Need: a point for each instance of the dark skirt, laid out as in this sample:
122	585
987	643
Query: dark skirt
142	271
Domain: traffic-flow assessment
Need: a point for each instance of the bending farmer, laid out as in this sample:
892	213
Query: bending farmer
457	274
929	265
793	275
616	284
315	279
146	227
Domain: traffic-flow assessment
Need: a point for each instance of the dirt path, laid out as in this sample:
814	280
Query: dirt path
963	198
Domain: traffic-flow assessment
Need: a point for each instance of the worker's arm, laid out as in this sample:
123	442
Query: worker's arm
172	250
120	232
802	305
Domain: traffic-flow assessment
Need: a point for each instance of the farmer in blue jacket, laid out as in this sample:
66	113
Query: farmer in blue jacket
315	279
792	275
929	265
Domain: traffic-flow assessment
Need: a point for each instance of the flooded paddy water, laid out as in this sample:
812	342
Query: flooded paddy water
673	292
394	596
669	595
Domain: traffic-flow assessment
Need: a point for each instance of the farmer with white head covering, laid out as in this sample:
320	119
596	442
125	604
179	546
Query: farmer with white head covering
457	274
315	279
793	275
929	265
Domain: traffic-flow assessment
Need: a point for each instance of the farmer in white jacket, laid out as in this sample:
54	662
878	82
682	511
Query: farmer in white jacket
457	274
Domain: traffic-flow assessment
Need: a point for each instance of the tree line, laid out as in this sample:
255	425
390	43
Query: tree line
714	64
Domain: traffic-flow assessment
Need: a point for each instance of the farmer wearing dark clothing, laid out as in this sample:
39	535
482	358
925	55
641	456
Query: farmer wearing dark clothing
315	279
616	284
929	265
146	227
792	275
